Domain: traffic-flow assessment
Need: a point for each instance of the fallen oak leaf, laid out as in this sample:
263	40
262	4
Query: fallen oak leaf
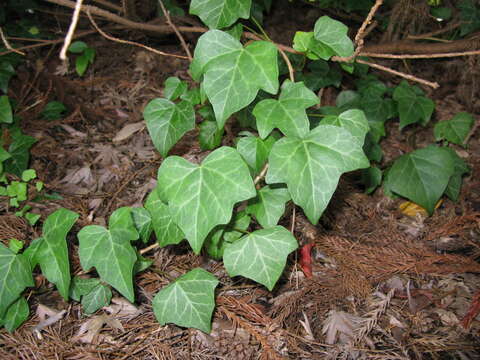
89	332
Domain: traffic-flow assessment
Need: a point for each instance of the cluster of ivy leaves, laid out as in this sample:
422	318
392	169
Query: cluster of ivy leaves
307	149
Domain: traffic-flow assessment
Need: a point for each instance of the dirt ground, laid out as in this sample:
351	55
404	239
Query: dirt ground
403	285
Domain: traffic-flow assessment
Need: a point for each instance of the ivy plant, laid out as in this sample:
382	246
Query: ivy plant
230	203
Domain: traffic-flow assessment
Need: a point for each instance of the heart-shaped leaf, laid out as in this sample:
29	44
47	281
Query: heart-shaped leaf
174	88
352	120
454	130
188	301
16	315
15	276
53	252
110	251
166	230
261	255
413	107
202	196
333	34
255	151
217	14
288	112
228	70
269	205
167	122
97	298
311	167
421	176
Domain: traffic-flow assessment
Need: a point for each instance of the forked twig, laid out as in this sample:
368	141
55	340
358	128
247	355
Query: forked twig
71	30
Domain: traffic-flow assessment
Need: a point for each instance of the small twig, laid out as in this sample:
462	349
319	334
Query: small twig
421	56
130	42
434	85
261	175
436	32
71	30
109	5
174	28
361	34
289	64
7	44
294	212
148	248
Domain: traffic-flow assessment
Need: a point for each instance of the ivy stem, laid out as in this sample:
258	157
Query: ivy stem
261	29
261	175
148	248
242	231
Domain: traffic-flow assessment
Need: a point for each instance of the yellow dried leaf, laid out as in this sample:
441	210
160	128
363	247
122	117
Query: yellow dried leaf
411	209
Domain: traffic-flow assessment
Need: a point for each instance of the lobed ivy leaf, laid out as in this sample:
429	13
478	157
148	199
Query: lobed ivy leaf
371	179
202	196
188	301
288	112
167	122
352	120
6	114
15	276
305	42
233	75
19	150
455	183
97	298
6	72
166	231
421	176
255	151
269	205
413	107
82	286
311	167
16	315
261	255
143	223
174	88
110	251
210	135
221	235
53	251
217	14
333	34
454	130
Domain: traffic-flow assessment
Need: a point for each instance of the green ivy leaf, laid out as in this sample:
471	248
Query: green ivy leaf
6	115
143	223
15	245
352	120
413	107
16	315
53	252
228	69
455	183
167	122
255	151
454	130
77	47
421	176
53	110
82	286
166	231
19	149
188	301
6	72
288	112
371	179
269	205
217	14
260	256
210	135
97	298
311	167
333	34
223	234
202	196
174	88
110	251
15	276
31	252
305	42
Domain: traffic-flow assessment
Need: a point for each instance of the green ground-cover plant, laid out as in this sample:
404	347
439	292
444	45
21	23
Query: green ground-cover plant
229	204
86	56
